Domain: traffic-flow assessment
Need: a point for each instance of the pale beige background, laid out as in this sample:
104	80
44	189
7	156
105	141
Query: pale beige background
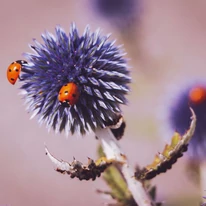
167	48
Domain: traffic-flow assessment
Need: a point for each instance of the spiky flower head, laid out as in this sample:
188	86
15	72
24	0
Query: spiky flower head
193	96
95	65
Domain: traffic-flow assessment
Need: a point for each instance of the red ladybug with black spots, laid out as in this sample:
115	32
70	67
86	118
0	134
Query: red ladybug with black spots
69	94
14	70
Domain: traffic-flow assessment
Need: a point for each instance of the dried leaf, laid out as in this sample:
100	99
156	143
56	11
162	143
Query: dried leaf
91	170
164	161
117	126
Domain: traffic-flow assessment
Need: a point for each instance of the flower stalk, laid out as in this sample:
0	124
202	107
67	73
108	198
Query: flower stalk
113	151
203	178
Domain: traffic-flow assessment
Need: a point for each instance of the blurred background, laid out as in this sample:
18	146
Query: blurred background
165	42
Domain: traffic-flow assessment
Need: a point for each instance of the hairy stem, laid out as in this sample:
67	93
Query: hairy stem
113	151
203	178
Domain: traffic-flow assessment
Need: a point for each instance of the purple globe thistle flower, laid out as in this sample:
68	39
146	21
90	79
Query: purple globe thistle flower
121	13
195	97
93	64
203	204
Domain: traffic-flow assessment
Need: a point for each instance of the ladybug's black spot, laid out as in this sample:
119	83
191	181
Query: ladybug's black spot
12	79
17	70
66	92
10	70
74	95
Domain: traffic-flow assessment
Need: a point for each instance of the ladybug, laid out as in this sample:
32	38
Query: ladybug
69	94
197	95
14	70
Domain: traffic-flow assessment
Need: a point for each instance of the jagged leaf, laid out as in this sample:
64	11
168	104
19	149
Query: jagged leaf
164	161
91	170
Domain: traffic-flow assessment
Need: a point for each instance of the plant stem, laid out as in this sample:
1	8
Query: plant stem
203	178
113	151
